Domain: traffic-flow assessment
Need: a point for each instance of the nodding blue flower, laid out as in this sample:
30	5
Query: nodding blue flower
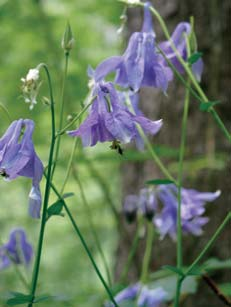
179	40
18	158
17	250
109	120
140	65
148	203
130	207
144	296
151	297
192	209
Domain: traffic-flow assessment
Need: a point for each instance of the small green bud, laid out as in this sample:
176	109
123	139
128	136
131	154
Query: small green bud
67	40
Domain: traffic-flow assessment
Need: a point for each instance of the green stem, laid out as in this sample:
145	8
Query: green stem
61	112
22	277
78	232
131	255
47	192
92	226
220	123
69	166
178	290
155	156
5	110
209	244
148	252
189	72
76	117
180	178
179	76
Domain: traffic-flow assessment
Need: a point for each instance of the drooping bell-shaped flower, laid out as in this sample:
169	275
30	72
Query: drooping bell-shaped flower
144	296
148	203
179	40
151	297
140	65
17	250
192	209
109	120
130	207
18	158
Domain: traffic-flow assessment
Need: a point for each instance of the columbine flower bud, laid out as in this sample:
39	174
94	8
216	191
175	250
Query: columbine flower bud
30	87
67	40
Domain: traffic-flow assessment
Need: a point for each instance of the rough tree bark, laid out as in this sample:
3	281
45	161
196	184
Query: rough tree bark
213	30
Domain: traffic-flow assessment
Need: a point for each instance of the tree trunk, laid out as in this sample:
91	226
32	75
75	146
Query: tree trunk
204	139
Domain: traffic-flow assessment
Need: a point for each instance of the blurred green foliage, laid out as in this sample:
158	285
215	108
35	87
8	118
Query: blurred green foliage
31	33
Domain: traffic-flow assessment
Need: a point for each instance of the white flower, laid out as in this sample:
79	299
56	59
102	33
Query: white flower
33	75
31	87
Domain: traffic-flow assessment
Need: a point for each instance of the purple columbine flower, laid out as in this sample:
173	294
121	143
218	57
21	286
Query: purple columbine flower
148	203
17	250
151	297
130	207
129	98
145	297
18	158
109	120
178	39
140	65
192	209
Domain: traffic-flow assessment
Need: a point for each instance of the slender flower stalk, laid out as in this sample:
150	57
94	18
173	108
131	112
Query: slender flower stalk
61	112
148	252
47	191
78	232
76	117
179	193
132	253
92	226
179	76
17	269
155	156
5	110
150	147
70	162
209	244
22	277
189	72
180	178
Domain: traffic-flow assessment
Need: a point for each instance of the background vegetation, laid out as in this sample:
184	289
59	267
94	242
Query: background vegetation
31	33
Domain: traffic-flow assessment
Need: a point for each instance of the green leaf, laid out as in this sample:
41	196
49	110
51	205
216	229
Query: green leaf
196	271
19	299
214	264
67	195
194	57
205	106
42	298
55	209
159	181
173	269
